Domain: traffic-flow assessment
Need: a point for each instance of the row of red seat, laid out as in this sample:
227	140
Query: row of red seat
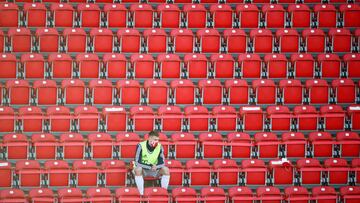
197	172
155	91
207	40
321	194
171	16
171	66
208	145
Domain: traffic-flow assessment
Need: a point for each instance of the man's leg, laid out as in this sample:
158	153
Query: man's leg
139	180
164	171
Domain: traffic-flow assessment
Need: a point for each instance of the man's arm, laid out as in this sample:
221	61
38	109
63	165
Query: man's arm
138	158
161	159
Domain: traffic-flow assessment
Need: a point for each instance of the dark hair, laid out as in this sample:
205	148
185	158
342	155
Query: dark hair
154	133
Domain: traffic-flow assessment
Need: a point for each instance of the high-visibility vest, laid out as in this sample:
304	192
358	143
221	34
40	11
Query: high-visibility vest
149	157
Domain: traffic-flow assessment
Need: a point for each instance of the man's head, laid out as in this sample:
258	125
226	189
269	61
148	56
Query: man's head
153	138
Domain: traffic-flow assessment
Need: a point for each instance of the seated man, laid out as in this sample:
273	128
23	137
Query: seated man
150	161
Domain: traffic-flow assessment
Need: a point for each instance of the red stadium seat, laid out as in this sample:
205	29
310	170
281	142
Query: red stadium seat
209	40
6	174
297	194
20	39
8	66
115	118
265	91
115	172
18	92
142	118
255	171
46	92
237	91
183	91
156	194
127	194
86	173
262	40
350	194
304	65
58	173
252	118
88	118
355	163
306	117
318	91
63	14
88	65
182	40
227	172
44	145
170	65
222	15
350	13
60	65
295	144
235	40
75	40
292	91
116	15
213	194
225	118
170	117
195	15
73	91
2	41
352	61
211	145
349	144
240	194
15	146
99	195
354	114
280	118
33	65
240	145
48	39
59	118
322	144
10	195
157	91
250	65
344	90
142	15
169	15
155	40
101	91
211	91
314	40
333	116
29	173
269	194
223	65
282	172
129	91
127	143
7	119
115	65
330	65
249	15
288	39
340	40
89	15
199	172
70	194
337	170
73	145
31	118
102	40
322	194
35	14
277	65
274	15
325	15
267	144
177	172
129	40
143	65
184	194
185	145
300	15
100	145
9	15
196	65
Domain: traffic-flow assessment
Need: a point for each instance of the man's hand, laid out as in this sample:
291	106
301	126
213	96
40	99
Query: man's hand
153	168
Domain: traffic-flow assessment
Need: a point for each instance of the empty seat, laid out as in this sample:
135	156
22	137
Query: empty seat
333	117
323	194
143	65
349	144
100	145
170	118
223	65
59	118
196	65
344	90
350	13
265	91
33	65
330	65
156	194
73	91
314	40
101	91
46	92
184	194
115	172
115	118
88	118
351	63
211	91
88	65
130	194
58	173
99	194
142	118
355	163
70	194
225	118
44	146
350	194
116	15
31	119
182	40
292	91
142	15
157	91
209	40
60	65
297	194
227	172
8	66
322	144
307	117
63	14
240	194
340	40
255	172
274	15
304	65
169	15
288	39
86	172
7	119
20	39
115	65
249	15
129	40
280	118
240	145
35	14
127	143
15	146
199	172
213	194
177	172
222	15
195	15
12	195
48	39
18	92
102	40
170	65
185	145
75	40
300	15
235	40
354	114
29	173
262	40
211	145
250	65
9	15
318	91
267	145
73	145
325	15
269	193
237	91
89	15
183	91
252	118
337	170
155	40
295	144
277	65
198	118
6	174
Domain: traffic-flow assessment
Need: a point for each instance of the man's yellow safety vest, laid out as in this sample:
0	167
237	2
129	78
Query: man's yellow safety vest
149	157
